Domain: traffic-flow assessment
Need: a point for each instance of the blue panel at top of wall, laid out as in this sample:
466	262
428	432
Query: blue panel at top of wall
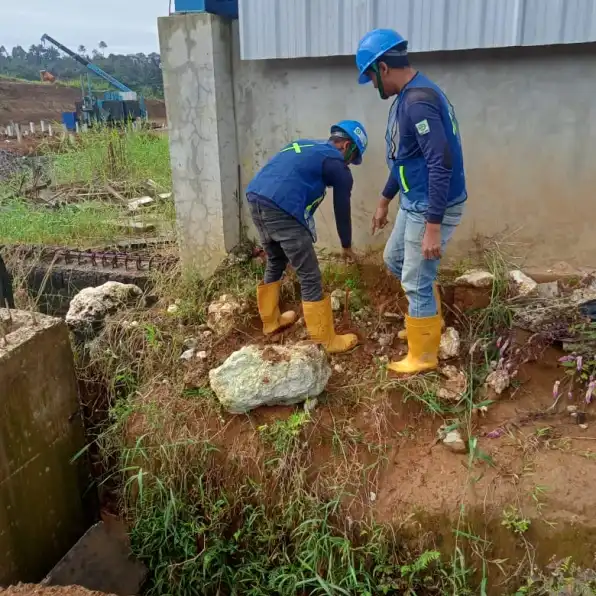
224	8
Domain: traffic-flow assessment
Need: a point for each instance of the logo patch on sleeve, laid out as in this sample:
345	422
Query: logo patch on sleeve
423	127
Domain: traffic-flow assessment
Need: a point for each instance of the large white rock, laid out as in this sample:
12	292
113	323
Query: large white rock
522	284
274	375
476	278
222	314
89	308
450	344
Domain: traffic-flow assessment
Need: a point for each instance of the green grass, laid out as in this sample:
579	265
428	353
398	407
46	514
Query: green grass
23	223
106	154
100	157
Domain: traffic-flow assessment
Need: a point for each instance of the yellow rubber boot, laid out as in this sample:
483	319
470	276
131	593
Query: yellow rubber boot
424	337
403	334
268	303
319	322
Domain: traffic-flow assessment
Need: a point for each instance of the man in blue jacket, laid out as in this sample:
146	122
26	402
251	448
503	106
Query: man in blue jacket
424	155
283	198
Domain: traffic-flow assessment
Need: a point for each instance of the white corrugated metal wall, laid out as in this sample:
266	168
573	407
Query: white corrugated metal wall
310	28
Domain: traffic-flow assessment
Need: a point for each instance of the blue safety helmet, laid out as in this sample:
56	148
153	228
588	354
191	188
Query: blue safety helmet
356	132
372	46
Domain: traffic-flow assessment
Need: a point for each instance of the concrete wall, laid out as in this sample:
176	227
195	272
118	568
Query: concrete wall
41	507
528	121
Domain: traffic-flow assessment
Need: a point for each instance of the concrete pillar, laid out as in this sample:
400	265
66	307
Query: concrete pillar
77	128
17	128
42	125
50	130
42	512
196	56
9	132
32	127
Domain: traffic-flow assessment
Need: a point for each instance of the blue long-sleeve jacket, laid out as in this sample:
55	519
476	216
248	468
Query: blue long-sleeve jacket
424	151
295	180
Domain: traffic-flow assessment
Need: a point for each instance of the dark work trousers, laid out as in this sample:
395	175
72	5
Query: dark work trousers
285	239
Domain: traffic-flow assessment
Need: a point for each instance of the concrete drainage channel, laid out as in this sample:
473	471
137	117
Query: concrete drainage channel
49	514
46	502
54	275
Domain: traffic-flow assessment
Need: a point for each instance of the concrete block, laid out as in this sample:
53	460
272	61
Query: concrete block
42	513
100	561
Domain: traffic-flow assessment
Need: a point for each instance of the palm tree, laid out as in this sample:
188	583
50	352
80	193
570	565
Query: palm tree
82	49
103	45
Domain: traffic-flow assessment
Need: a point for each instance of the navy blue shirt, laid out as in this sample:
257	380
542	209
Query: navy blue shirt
337	175
421	105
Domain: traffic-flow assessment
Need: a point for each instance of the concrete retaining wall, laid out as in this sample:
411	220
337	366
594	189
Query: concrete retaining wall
41	493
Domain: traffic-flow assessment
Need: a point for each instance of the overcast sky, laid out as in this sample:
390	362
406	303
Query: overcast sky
127	26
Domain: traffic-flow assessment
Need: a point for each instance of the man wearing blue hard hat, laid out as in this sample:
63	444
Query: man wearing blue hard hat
283	198
425	159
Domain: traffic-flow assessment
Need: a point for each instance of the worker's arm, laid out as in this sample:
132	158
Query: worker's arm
337	175
391	188
423	108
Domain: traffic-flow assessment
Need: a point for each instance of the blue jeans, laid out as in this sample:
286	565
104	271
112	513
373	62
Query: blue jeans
403	257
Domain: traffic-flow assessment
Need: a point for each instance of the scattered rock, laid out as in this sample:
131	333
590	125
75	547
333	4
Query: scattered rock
338	368
476	278
90	307
393	316
498	380
386	339
583	426
190	342
221	314
310	404
173	309
522	284
338	299
572	409
187	354
453	441
548	290
275	375
206	334
373	497
450	344
136	204
454	384
202	355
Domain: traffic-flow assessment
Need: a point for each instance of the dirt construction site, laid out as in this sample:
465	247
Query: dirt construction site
154	441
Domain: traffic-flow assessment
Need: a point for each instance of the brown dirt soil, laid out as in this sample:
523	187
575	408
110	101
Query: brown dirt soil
31	102
37	590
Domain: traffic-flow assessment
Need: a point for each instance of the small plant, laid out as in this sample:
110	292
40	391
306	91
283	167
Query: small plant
282	435
414	570
514	521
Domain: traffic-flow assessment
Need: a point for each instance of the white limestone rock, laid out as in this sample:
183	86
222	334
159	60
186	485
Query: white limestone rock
450	344
222	314
498	380
453	385
90	307
274	375
476	278
522	284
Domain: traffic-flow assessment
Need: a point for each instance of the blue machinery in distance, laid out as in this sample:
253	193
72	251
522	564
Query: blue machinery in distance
114	107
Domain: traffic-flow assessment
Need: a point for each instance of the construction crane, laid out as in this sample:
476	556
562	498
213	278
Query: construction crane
114	107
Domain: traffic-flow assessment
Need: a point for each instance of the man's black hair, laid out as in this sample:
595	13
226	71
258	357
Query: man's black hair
396	57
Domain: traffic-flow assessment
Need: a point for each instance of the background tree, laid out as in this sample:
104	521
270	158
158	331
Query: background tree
139	71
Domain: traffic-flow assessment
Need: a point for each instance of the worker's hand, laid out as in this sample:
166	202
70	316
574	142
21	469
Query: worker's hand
431	241
349	255
379	220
